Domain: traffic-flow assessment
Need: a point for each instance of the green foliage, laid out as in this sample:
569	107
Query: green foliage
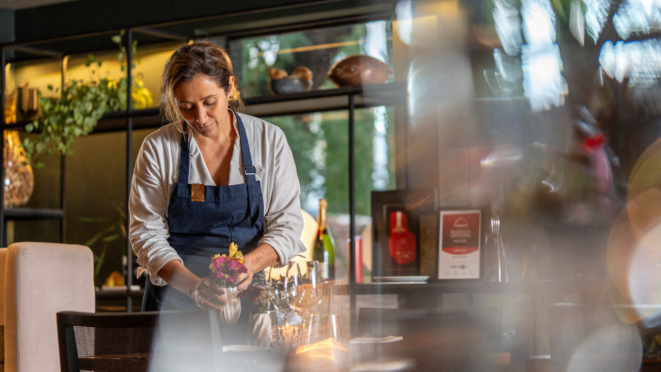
321	151
111	231
254	77
79	109
61	120
320	147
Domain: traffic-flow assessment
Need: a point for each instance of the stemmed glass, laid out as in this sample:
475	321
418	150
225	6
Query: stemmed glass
304	287
278	292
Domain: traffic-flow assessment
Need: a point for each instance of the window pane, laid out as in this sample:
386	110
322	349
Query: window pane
320	145
317	50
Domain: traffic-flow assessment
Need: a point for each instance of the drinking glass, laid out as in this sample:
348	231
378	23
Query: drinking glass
303	286
323	326
278	292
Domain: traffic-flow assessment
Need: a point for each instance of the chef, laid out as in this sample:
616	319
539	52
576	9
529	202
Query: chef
212	177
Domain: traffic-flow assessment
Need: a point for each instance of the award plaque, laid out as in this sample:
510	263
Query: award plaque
459	248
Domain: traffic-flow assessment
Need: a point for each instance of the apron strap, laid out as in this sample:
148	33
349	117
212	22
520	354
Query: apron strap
184	161
249	170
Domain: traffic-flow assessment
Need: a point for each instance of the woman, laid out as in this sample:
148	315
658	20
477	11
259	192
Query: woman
209	178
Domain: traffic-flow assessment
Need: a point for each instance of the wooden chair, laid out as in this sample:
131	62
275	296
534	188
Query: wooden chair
138	342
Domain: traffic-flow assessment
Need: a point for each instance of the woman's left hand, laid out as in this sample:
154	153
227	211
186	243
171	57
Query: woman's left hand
256	260
245	279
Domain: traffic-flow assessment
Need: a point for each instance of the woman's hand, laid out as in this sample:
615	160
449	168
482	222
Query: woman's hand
257	260
244	280
208	295
204	292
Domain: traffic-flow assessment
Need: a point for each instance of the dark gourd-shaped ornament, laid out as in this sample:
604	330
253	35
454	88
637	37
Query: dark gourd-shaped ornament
359	70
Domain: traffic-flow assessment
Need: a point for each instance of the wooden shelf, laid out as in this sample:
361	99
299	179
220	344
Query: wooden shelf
327	100
32	214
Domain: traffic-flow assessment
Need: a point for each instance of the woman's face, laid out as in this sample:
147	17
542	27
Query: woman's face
203	105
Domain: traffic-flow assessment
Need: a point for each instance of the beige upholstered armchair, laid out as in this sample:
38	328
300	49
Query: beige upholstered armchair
36	281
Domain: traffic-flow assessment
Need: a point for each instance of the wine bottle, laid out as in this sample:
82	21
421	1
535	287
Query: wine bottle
324	250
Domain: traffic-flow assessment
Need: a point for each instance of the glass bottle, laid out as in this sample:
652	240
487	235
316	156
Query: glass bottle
324	250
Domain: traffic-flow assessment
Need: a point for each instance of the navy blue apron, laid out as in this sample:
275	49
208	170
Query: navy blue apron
199	230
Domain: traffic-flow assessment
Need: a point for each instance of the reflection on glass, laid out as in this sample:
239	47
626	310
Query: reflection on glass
320	146
596	14
508	26
542	82
317	50
637	17
638	60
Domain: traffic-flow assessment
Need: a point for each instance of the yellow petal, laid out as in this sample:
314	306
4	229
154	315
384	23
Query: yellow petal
233	249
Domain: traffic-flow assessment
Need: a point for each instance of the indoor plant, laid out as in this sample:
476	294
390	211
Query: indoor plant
80	106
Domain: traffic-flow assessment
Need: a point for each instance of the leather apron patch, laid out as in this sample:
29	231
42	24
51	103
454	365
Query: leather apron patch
197	192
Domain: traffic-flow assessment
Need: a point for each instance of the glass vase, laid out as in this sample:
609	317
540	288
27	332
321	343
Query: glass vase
19	179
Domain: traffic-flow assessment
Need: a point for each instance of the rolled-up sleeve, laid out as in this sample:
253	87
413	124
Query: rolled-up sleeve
147	208
283	222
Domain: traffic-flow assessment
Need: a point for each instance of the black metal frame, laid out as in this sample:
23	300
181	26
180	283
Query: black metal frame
25	213
394	94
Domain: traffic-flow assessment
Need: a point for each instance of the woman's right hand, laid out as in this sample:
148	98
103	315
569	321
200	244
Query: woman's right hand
208	295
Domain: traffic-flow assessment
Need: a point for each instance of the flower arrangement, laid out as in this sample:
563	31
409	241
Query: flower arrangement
260	296
227	268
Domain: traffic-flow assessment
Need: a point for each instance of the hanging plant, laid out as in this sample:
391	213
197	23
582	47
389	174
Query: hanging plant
79	108
62	120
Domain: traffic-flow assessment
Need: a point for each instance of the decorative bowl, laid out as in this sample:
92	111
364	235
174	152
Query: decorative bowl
290	85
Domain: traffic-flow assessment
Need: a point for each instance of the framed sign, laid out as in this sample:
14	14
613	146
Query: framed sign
459	244
396	223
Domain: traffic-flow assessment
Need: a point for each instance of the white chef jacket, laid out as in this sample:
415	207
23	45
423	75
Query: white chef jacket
156	170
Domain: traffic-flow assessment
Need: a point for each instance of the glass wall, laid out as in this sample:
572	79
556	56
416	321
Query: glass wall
320	145
316	49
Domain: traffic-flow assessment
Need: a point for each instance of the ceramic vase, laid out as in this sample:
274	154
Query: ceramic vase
260	328
232	308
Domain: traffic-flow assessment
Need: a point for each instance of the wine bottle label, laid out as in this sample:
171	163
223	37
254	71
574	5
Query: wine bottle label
324	270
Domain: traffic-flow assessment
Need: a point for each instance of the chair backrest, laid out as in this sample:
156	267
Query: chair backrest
98	341
149	341
41	279
3	260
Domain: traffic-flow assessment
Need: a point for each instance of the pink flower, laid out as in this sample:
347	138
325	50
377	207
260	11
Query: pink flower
227	270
